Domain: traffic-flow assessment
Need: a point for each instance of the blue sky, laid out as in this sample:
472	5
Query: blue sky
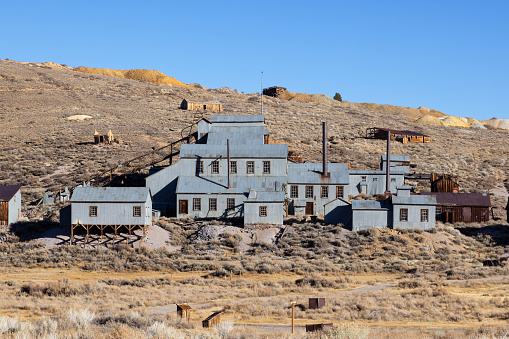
447	55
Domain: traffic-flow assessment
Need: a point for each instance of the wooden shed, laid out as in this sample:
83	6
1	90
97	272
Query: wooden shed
184	311
212	320
10	204
205	105
315	303
317	327
402	136
461	207
444	183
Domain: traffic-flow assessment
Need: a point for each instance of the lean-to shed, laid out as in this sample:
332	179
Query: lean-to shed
10	204
212	320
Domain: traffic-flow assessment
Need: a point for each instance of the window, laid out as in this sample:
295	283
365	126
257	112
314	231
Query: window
324	192
364	178
403	214
196	204
263	211
212	204
199	166
230	203
266	167
93	211
340	191
393	179
294	191
375	179
215	166
309	191
136	211
250	167
233	167
424	215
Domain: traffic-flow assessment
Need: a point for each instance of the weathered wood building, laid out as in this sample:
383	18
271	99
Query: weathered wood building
274	91
444	183
205	105
401	136
184	311
461	207
212	320
10	204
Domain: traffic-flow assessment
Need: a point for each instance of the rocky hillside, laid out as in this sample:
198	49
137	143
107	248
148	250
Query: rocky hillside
42	149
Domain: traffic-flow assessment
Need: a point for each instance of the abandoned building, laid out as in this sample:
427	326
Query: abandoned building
444	183
110	207
205	105
232	173
107	138
10	204
461	207
401	136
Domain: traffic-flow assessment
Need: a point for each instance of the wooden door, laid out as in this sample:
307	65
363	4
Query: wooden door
467	214
183	207
309	208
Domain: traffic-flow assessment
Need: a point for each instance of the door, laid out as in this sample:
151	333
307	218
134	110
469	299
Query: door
183	207
467	214
309	208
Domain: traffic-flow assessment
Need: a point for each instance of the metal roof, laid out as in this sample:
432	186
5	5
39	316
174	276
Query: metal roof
7	192
237	118
394	131
243	135
461	199
110	194
311	173
268	196
218	185
370	205
402	158
236	151
414	200
362	172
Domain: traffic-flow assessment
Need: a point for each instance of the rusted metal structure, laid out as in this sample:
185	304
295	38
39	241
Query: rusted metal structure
401	136
274	91
212	320
198	105
318	327
444	183
315	303
184	311
461	207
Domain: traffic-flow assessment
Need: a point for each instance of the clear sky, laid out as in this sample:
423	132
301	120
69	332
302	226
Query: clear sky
449	55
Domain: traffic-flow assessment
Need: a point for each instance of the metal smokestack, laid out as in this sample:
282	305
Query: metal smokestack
325	173
388	166
228	159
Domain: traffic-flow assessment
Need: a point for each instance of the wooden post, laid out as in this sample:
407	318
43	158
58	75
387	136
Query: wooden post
72	234
293	316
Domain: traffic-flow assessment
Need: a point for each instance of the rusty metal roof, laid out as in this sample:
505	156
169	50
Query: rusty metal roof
7	192
461	199
394	131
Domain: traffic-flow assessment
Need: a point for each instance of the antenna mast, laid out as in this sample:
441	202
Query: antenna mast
262	92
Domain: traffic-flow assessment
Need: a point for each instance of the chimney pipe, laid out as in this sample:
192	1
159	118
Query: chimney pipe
228	159
388	166
325	173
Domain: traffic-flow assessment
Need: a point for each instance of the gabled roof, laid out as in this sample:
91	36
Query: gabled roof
394	131
461	199
7	192
111	194
237	118
311	173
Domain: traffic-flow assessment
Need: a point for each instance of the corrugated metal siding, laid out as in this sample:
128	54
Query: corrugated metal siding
110	213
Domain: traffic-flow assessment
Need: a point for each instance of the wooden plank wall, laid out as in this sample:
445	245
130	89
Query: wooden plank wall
4	212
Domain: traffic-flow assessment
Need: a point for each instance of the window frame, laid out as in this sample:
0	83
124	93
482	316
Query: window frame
324	192
294	191
230	206
213	205
403	214
137	211
196	204
199	166
233	167
310	189
266	167
338	189
425	215
364	178
92	211
375	179
263	211
250	168
214	166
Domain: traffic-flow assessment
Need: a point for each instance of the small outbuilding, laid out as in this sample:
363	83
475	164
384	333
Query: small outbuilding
462	207
205	105
10	204
444	183
402	136
212	320
184	311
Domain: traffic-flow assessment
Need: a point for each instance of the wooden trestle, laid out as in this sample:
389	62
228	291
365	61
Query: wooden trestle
115	228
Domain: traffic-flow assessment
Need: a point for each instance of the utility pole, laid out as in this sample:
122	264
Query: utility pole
293	316
261	92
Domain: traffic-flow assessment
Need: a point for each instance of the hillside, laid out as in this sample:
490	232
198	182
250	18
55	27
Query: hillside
44	150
